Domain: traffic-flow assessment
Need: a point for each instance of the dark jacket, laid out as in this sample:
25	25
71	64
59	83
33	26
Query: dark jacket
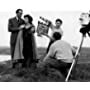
13	25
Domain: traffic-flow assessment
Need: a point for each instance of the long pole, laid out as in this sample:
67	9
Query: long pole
75	59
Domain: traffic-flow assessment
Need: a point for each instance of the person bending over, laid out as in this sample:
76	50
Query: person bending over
59	56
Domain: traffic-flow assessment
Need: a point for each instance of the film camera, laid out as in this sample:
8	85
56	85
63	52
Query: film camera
84	18
85	23
43	27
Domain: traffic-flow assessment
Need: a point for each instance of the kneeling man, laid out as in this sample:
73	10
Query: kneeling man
60	55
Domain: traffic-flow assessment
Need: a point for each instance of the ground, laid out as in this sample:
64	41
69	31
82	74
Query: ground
80	74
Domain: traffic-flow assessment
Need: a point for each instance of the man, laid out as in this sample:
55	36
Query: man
60	55
14	26
56	28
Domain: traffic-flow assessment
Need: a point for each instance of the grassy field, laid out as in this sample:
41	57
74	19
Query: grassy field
81	74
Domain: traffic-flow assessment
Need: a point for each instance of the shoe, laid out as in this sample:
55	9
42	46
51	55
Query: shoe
14	64
36	60
20	60
23	65
34	66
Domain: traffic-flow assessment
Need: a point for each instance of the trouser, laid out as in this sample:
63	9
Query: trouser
13	39
12	49
50	43
57	64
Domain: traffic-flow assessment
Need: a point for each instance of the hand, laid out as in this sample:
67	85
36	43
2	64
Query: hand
78	54
46	20
33	29
21	27
27	26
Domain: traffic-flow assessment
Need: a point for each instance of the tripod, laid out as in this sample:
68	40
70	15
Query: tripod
75	59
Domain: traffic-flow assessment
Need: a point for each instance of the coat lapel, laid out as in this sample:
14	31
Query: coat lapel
16	21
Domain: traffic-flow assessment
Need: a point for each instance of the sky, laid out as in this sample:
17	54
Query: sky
69	11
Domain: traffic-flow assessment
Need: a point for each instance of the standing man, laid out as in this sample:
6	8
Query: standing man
15	24
56	28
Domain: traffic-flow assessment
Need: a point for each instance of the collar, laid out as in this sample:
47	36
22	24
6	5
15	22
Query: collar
16	17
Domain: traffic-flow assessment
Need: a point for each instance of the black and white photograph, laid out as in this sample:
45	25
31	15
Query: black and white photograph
41	41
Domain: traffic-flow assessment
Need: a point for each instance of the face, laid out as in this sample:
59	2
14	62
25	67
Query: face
19	14
26	20
58	24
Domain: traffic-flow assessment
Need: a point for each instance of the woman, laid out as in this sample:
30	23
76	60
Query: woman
29	46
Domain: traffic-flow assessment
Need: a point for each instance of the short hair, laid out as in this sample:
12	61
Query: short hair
29	17
57	36
17	11
59	20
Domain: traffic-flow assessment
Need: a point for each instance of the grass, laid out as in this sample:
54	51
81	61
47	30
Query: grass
81	73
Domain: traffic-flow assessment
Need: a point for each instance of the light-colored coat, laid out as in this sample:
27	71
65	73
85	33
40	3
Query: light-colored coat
19	47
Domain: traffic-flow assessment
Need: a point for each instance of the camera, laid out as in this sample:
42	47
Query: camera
85	23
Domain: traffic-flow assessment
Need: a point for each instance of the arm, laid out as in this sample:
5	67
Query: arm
11	28
74	51
61	32
50	24
50	53
33	29
49	37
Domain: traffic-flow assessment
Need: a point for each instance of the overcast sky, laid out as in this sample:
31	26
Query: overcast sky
69	11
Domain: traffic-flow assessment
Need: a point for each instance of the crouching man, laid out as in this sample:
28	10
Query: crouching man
60	55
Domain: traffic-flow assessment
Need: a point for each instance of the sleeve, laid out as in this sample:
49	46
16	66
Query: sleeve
73	50
52	26
33	29
11	28
61	32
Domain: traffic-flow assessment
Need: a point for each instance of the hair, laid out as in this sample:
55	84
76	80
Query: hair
57	36
17	11
29	17
59	20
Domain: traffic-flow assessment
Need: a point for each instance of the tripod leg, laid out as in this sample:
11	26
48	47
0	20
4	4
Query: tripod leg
74	60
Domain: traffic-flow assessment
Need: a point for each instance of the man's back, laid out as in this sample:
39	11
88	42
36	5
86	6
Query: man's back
62	50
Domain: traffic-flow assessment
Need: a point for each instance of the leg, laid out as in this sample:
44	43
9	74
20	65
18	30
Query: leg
12	54
59	65
48	63
64	68
12	47
24	63
51	66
